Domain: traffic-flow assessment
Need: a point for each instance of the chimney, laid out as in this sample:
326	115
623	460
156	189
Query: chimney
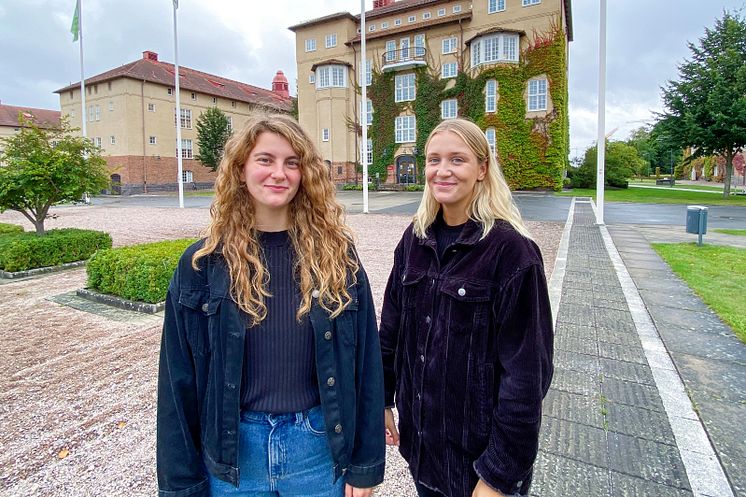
280	85
148	55
381	3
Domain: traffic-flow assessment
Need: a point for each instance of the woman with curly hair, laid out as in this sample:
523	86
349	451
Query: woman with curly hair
270	380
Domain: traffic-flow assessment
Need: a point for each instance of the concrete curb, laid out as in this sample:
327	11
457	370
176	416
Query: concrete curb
129	305
41	270
560	264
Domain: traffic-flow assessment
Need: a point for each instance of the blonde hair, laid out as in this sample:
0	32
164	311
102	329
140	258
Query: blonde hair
491	198
325	257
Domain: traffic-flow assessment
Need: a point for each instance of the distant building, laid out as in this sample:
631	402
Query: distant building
131	115
10	123
427	60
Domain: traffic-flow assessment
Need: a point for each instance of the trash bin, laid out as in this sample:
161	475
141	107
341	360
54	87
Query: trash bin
696	220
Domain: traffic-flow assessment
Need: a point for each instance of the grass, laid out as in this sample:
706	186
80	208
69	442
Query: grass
731	232
716	273
656	196
711	188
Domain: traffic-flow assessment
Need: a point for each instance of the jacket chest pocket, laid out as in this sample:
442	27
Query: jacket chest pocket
346	323
200	311
410	285
467	304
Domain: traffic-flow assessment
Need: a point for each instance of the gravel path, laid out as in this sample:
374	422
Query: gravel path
77	390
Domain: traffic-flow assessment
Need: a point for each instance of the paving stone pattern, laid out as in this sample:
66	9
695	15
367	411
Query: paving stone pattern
604	432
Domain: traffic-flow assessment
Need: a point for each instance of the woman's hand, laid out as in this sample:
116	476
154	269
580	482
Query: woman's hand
392	434
351	491
484	490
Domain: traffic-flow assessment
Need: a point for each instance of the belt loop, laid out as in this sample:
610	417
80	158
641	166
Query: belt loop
299	416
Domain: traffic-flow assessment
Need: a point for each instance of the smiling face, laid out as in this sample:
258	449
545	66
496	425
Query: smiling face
272	176
452	170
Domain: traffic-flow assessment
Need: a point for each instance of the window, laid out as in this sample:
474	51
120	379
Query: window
404	129
332	76
312	78
151	107
97	141
186	118
419	45
311	45
72	114
489	133
426	16
88	88
368	118
331	40
385	25
449	45
215	100
111	106
368	72
456	9
404	49
449	70
372	27
441	12
501	47
98	113
490	96
71	94
186	149
152	140
526	3
390	50
113	140
411	18
194	96
233	104
397	22
404	87
186	177
95	89
90	113
448	109
230	123
368	152
325	134
170	91
495	6
108	86
537	95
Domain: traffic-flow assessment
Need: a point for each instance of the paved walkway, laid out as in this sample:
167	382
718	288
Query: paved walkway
617	419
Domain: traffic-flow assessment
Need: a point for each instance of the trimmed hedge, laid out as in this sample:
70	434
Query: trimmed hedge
23	251
8	229
138	272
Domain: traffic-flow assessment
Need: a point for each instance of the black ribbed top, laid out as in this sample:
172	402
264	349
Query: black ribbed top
279	374
445	235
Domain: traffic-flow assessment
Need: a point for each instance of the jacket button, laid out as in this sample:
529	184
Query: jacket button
461	292
338	429
327	335
315	294
427	320
404	278
330	381
230	386
422	358
205	307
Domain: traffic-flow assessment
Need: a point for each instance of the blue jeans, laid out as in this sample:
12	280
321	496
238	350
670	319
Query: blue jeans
282	455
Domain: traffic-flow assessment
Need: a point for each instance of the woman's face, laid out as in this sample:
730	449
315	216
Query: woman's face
272	174
451	171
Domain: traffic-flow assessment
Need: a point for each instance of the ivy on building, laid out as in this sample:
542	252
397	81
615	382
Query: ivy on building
532	152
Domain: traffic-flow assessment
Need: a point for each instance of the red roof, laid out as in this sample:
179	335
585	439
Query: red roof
155	71
42	117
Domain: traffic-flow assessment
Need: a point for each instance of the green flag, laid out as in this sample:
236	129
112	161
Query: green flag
75	27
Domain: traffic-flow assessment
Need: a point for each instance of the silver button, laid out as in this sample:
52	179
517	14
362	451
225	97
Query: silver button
330	381
461	292
205	307
404	278
230	386
422	358
418	396
315	294
427	319
338	429
328	335
453	251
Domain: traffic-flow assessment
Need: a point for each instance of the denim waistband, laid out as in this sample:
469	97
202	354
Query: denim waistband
274	418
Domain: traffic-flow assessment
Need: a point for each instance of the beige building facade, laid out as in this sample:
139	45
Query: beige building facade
131	114
11	117
444	37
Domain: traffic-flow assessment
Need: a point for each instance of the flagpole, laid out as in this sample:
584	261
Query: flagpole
601	141
364	105
82	78
178	112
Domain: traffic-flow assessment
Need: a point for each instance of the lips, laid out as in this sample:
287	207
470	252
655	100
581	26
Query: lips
276	188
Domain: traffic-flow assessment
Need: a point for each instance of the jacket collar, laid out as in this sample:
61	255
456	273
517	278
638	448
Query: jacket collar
470	235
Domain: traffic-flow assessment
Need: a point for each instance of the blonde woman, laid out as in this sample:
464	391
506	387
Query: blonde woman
270	381
466	330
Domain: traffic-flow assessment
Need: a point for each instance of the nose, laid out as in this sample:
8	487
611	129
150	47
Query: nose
278	171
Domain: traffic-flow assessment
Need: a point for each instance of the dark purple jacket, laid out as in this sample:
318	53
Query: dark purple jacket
467	351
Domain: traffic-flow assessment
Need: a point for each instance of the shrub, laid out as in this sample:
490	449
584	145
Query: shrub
6	229
19	252
414	188
138	272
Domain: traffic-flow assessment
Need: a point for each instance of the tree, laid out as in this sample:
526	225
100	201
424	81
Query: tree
213	130
706	107
41	167
621	163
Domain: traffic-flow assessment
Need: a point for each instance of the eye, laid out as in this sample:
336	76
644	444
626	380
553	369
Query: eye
457	160
293	164
263	160
431	161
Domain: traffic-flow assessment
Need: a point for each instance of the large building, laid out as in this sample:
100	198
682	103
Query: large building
11	119
502	63
131	115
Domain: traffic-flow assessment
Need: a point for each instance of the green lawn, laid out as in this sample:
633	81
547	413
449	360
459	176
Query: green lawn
656	196
731	232
711	188
717	274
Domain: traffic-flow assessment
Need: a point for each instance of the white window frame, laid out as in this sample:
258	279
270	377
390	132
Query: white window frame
494	6
151	107
456	9
405	87
385	25
404	46
489	133
215	100
186	118
426	16
368	117
186	149
98	113
368	152
194	96
441	12
490	96
449	109
449	70
372	28
331	76
397	22
537	94
113	140
411	18
152	140
494	48
187	177
97	141
419	45
230	123
450	45
310	44
528	3
330	40
111	106
312	78
405	129
325	134
368	72
390	53
170	91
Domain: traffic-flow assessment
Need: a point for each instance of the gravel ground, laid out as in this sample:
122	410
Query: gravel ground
77	390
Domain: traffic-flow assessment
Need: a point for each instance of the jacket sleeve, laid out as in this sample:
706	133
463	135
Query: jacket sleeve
179	465
525	351
389	332
369	453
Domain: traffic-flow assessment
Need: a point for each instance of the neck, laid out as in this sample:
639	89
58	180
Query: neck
454	217
272	220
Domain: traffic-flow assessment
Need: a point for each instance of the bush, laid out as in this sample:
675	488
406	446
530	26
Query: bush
359	186
138	272
28	250
7	229
414	188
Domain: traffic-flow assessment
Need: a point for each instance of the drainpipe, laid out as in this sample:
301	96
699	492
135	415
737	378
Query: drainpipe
144	163
355	111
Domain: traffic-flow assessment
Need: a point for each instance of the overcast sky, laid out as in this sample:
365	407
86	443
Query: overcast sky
249	41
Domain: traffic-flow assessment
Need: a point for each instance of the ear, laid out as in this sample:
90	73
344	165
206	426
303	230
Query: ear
482	170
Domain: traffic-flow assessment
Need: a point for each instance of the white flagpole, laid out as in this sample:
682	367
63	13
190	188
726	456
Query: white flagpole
178	111
82	78
362	79
601	141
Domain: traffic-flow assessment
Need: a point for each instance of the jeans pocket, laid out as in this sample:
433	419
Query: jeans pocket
314	421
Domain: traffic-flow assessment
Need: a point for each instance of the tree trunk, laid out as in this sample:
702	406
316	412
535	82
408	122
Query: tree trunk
39	225
728	172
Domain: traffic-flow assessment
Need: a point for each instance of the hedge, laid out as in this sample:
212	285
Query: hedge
138	272
23	251
6	229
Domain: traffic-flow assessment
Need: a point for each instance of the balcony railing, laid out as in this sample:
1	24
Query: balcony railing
404	58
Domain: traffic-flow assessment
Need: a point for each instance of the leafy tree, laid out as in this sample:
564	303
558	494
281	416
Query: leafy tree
213	130
621	163
706	107
44	166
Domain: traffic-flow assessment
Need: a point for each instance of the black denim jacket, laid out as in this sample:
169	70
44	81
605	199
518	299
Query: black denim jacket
467	351
201	361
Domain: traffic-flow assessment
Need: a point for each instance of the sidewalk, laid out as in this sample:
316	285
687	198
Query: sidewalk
617	419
